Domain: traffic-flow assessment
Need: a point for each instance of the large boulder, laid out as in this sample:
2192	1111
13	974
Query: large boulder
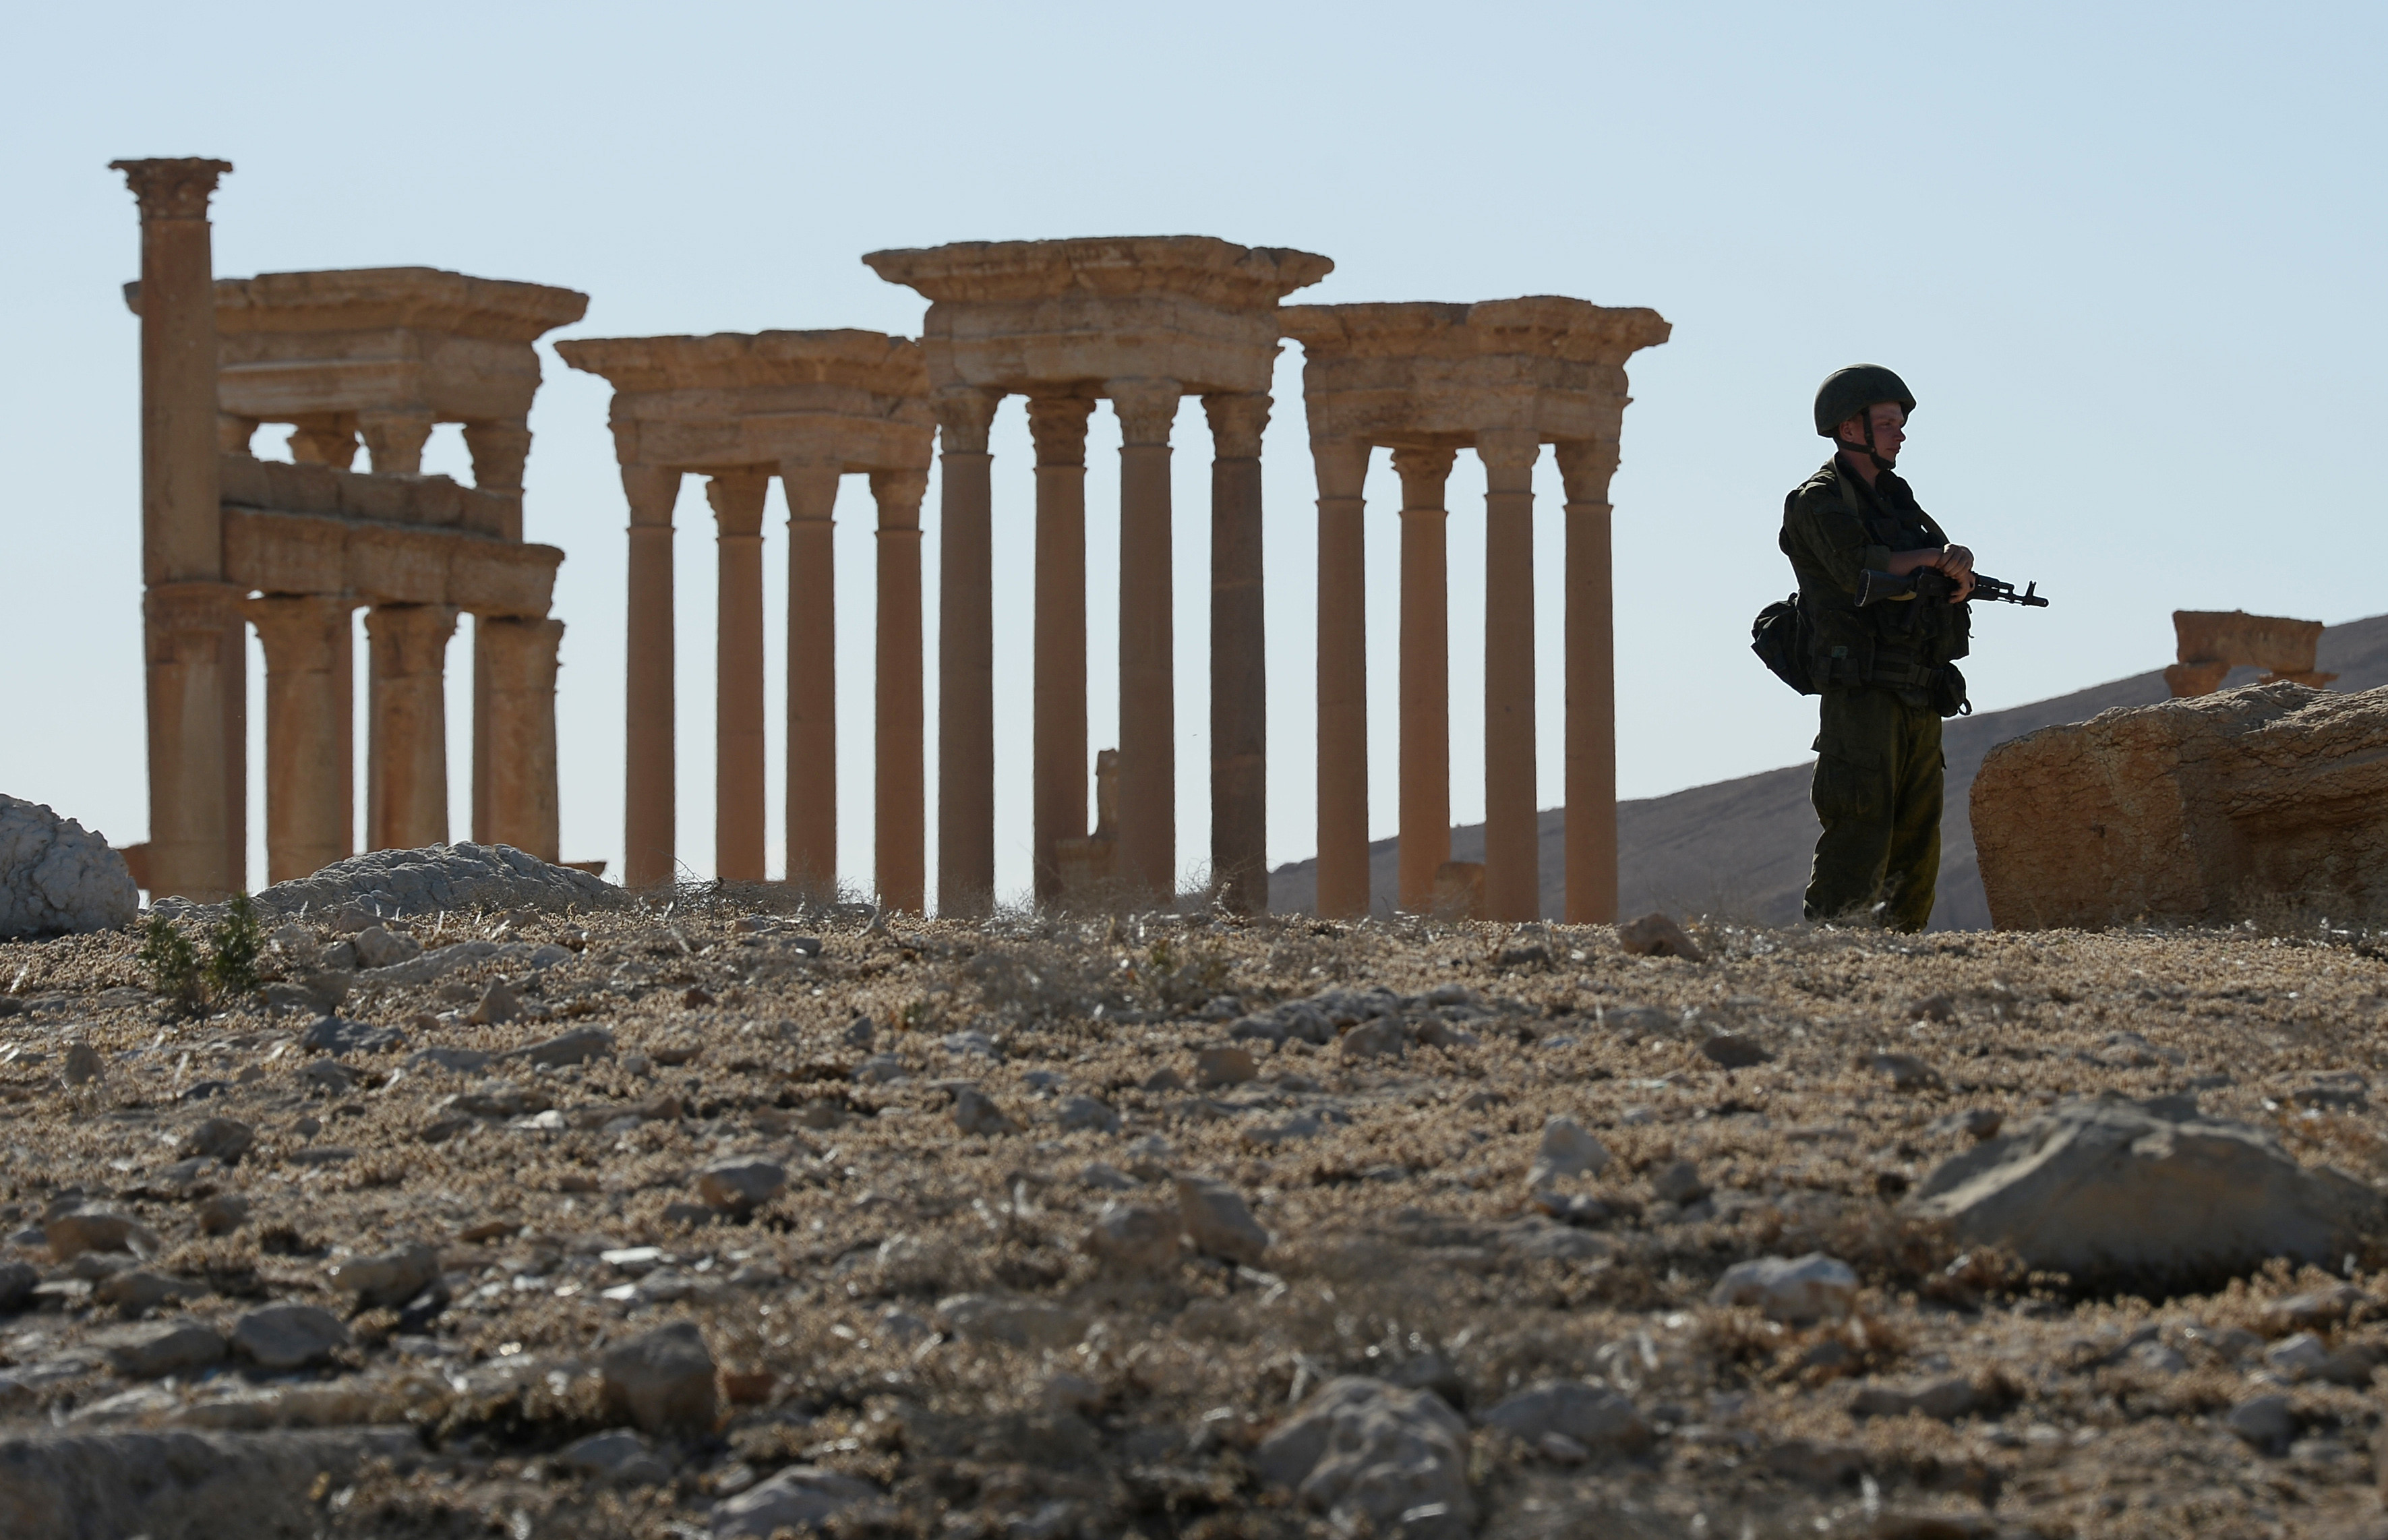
2155	1193
58	878
440	877
1364	1450
2199	811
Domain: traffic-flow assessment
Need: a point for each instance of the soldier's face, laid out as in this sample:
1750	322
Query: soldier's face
1889	429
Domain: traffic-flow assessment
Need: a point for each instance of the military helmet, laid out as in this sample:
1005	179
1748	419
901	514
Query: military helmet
1847	392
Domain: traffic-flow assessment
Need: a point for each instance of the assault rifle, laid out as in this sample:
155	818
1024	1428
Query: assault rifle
1930	583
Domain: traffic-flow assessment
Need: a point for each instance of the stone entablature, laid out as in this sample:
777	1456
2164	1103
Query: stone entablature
1028	316
433	502
732	400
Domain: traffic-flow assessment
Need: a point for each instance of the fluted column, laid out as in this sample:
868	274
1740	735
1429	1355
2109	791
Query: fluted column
1586	468
310	768
1512	841
1239	655
394	438
406	766
197	680
965	653
738	789
650	853
811	489
1342	467
900	835
1148	837
520	655
1425	675
1058	759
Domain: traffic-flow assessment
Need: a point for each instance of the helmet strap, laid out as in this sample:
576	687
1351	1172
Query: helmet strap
1873	454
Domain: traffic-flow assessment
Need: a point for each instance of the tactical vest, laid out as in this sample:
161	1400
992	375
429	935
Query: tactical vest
1905	643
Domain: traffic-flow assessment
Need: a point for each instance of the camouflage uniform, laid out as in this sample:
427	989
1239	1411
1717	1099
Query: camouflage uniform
1878	760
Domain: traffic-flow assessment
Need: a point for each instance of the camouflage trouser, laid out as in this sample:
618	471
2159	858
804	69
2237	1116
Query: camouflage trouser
1877	794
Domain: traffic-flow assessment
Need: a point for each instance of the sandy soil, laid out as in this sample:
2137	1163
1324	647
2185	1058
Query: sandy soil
1394	1189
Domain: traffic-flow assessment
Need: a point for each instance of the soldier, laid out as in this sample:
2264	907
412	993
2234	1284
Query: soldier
1886	673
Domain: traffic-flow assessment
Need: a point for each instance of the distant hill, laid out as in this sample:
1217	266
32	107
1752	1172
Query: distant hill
1741	848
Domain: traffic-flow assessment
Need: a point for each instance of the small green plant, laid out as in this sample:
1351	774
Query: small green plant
234	948
173	964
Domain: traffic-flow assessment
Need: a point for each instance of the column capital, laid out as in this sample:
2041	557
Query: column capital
1237	422
410	626
294	619
811	488
898	494
1508	449
394	438
178	613
652	491
1586	465
1423	473
500	448
736	497
1343	465
1057	427
172	188
1146	409
964	415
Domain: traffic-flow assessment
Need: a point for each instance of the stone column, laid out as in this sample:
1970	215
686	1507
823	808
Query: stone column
738	787
1057	758
198	684
310	772
965	653
406	765
1425	675
811	489
329	441
650	849
1148	714
1512	841
499	449
521	662
1239	655
394	438
1343	465
1586	468
899	834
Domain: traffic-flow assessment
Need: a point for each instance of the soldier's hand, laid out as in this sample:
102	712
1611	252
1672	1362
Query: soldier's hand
1958	563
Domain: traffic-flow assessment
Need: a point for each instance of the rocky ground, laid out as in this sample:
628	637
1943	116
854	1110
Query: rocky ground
690	1221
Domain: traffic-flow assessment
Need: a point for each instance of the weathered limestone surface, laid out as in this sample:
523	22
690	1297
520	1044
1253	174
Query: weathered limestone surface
441	877
2200	811
56	876
2105	1188
2211	642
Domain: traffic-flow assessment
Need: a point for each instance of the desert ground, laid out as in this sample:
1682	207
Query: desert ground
1028	1227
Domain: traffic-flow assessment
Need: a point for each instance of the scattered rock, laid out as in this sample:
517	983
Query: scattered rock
578	1046
1679	1183
2296	1357
741	1183
97	1228
1085	1111
1001	1318
1265	1030
17	1281
2321	1308
663	1380
1793	1289
1103	1177
1947	1399
57	878
1975	1123
391	1278
289	1336
2264	1421
617	1455
135	1292
1907	1071
1933	1008
377	947
335	1036
499	1004
218	1138
1134	1238
82	1065
2111	1188
155	1349
1733	1051
1657	936
801	1498
1222	1064
1366	1453
1565	1150
1218	1222
1592	1417
975	1113
437	877
1375	1039
879	1069
181	1483
222	1213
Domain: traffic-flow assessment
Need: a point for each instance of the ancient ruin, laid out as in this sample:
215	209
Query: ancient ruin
230	541
2211	642
2256	803
1143	323
808	407
1502	377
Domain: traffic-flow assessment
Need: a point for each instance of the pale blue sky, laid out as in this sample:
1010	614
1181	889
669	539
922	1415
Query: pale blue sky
2130	257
